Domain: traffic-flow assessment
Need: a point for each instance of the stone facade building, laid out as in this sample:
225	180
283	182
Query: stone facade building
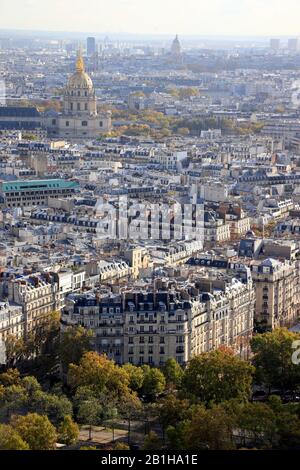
167	319
277	292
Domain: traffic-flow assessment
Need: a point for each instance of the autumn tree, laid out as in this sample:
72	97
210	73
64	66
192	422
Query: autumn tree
10	377
136	376
218	376
74	342
10	439
152	442
100	374
36	430
68	431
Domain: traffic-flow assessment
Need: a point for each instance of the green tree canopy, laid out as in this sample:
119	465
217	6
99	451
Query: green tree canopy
36	430
74	343
68	431
273	359
173	372
218	376
154	381
10	439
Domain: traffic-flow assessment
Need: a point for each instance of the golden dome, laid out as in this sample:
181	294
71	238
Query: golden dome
80	79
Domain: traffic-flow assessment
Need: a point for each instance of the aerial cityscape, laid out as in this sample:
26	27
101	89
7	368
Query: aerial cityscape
149	229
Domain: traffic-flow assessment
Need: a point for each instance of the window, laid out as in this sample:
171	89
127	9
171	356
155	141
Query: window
86	106
53	122
101	124
78	106
71	106
67	123
84	123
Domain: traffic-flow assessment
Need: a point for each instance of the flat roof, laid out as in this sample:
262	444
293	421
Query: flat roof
20	185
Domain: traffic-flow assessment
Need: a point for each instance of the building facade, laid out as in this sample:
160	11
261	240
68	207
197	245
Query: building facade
167	320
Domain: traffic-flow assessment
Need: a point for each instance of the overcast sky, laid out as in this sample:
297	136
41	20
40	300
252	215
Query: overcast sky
197	17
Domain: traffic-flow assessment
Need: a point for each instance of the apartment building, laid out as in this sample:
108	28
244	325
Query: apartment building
277	292
215	229
235	217
168	319
37	294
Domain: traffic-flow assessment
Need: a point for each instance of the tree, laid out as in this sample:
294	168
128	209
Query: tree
130	407
100	374
68	431
288	429
74	343
10	377
154	382
183	131
218	376
55	407
36	430
173	372
152	442
30	385
210	429
188	92
14	399
136	376
10	439
15	350
273	359
90	413
257	422
172	410
177	434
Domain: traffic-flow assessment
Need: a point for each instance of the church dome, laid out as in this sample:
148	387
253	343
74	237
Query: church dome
80	79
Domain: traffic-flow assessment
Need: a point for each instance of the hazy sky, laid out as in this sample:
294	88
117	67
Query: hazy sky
202	17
